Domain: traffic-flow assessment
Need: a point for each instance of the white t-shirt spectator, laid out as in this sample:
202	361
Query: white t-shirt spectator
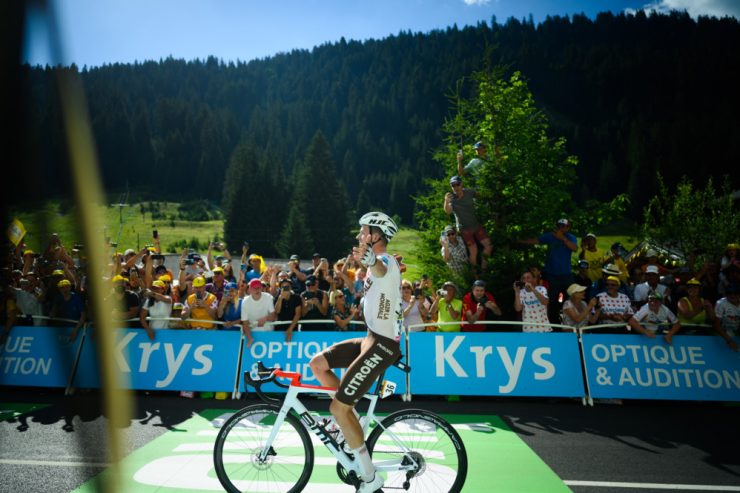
158	309
729	316
620	305
29	304
253	310
533	311
642	291
651	320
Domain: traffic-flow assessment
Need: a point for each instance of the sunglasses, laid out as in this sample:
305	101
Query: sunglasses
455	184
406	288
612	285
450	234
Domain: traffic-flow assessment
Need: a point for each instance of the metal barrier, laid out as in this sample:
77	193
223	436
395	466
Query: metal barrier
710	375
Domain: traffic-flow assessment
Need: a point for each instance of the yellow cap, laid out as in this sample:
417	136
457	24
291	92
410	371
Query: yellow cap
199	282
28	252
613	278
58	272
165	278
693	282
63	282
159	284
119	278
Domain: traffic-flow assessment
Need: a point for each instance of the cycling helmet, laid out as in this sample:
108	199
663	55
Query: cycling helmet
382	221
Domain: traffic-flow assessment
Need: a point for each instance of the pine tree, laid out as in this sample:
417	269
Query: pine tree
320	198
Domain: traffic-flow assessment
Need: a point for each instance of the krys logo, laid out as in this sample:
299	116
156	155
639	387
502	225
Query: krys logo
146	352
446	357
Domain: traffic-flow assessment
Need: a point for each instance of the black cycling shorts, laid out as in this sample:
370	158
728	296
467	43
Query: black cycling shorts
363	366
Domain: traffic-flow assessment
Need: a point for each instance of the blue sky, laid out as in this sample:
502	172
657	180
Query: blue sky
97	32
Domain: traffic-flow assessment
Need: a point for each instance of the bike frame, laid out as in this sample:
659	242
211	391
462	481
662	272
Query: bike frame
292	402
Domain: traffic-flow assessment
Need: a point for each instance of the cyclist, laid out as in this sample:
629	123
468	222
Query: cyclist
365	358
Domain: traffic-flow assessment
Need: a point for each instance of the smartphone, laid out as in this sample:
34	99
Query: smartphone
520	284
246	244
417	292
155	234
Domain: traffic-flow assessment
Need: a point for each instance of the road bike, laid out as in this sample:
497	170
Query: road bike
266	447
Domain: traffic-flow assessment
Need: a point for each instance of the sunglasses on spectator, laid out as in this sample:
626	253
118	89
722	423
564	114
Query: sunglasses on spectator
407	287
340	296
456	184
612	285
451	233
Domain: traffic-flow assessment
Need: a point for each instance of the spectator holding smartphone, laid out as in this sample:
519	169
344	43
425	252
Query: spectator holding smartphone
288	307
532	302
447	308
315	305
158	305
201	306
415	306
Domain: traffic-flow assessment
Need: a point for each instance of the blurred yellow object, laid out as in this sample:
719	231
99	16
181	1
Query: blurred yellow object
222	396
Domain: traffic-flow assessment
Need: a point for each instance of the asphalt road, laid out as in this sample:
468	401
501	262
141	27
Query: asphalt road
650	446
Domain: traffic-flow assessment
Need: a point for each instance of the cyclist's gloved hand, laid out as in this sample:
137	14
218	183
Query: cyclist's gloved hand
368	259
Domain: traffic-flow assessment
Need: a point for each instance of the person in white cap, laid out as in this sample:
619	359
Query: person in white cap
651	285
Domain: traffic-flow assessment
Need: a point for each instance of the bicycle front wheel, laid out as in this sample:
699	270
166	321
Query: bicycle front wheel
242	438
415	435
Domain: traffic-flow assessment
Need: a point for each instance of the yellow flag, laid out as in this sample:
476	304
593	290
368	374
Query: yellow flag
16	231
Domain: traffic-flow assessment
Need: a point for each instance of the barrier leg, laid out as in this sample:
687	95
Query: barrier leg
587	399
68	389
407	396
236	394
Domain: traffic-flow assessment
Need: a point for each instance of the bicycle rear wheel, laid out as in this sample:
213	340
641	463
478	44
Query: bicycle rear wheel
427	439
288	465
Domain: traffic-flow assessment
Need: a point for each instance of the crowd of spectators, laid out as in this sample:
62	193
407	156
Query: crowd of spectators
215	291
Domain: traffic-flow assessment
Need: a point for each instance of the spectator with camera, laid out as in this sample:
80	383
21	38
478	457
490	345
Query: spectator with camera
415	306
127	302
447	308
158	306
322	274
561	244
576	312
201	306
258	310
454	251
532	302
297	275
342	312
478	305
461	203
315	305
28	298
476	163
727	315
288	307
651	285
230	307
653	317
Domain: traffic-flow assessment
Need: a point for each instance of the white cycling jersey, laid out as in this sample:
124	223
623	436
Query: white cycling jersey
382	299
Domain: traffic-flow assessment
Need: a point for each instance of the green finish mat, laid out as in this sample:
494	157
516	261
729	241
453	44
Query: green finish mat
10	410
182	460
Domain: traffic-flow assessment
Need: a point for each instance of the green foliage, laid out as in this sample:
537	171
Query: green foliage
525	186
693	220
169	128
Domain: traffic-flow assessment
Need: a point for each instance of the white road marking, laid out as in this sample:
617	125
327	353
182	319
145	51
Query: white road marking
653	486
62	463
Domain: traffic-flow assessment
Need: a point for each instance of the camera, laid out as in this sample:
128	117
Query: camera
189	261
417	292
155	234
442	292
309	295
424	277
519	284
78	246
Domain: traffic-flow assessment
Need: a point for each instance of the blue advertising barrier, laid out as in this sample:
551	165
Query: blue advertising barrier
272	350
38	356
635	367
199	360
515	364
